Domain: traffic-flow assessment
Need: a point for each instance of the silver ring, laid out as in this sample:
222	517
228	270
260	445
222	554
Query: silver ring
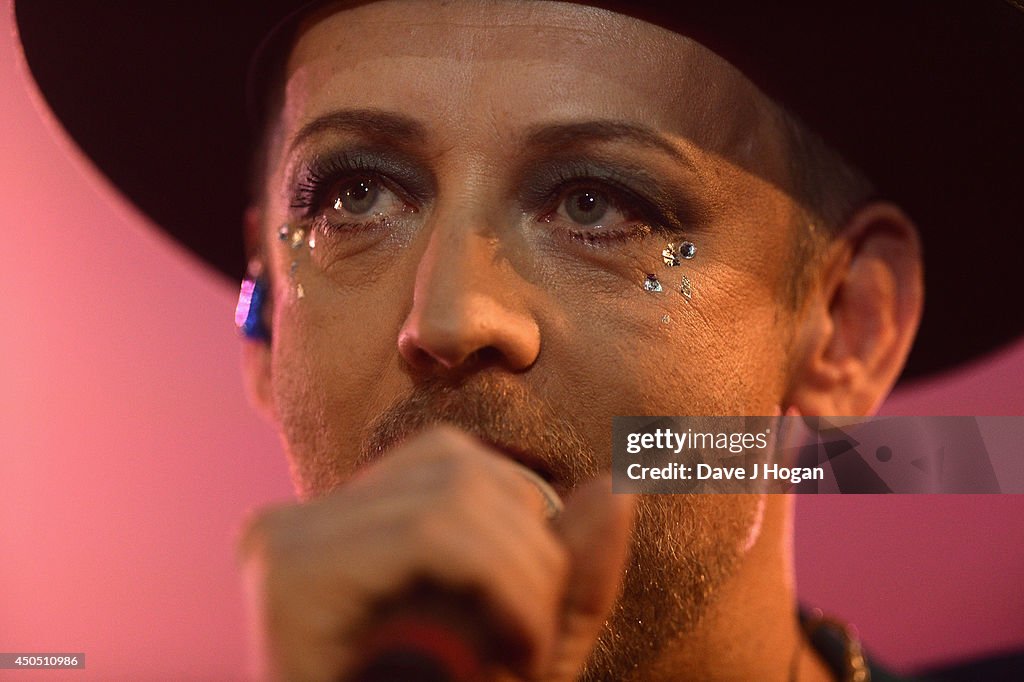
553	503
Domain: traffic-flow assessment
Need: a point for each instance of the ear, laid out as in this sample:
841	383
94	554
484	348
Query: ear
860	315
257	354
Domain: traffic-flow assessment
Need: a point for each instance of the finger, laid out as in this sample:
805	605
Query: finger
595	528
442	455
451	512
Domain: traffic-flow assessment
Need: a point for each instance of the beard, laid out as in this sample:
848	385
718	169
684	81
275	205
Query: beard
683	549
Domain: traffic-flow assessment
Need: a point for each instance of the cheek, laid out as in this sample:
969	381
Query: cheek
730	355
657	354
330	359
722	351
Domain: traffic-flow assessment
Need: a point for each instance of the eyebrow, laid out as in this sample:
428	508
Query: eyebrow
573	134
370	122
390	126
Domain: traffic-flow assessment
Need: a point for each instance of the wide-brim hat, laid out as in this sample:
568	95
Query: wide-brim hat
926	98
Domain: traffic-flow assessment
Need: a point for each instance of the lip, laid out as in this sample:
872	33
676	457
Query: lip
528	460
526	457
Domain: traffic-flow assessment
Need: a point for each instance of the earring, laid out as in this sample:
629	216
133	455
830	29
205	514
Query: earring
249	312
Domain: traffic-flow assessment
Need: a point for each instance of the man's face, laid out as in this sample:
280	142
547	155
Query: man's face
487	187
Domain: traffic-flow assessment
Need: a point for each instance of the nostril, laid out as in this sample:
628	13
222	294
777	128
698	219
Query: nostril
486	357
421	358
481	358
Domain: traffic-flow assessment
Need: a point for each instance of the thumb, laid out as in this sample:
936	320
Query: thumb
595	528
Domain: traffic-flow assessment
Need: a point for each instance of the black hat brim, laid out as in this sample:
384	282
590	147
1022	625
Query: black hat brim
924	97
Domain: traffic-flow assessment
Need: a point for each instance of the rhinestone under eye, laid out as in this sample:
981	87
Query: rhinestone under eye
652	284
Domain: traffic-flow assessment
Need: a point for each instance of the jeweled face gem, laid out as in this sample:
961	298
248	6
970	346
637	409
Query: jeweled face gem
282	232
687	250
670	256
298	237
652	283
685	288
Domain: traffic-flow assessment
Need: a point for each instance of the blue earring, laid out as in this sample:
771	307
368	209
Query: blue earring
249	312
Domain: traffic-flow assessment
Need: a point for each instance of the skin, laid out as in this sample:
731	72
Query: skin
478	303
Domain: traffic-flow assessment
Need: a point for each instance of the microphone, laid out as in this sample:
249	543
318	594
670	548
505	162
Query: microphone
437	635
430	635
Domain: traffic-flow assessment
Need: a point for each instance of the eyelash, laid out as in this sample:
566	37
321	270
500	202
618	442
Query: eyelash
323	174
320	176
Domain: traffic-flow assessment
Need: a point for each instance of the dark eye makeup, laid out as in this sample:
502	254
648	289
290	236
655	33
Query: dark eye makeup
375	169
588	186
591	200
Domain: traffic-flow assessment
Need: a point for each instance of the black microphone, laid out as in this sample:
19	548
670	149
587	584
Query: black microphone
430	634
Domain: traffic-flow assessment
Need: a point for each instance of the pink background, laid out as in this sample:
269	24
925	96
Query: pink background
128	455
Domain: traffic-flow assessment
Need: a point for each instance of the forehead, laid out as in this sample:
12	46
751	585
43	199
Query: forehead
491	68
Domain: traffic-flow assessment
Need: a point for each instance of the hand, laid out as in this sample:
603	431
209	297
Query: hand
444	508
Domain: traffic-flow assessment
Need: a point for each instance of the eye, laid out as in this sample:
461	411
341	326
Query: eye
592	207
585	206
359	197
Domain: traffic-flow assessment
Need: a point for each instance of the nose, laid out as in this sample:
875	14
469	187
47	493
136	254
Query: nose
469	306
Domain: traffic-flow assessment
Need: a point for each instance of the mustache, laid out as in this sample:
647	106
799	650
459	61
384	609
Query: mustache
495	410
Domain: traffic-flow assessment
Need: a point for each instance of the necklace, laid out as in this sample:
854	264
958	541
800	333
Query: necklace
837	642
